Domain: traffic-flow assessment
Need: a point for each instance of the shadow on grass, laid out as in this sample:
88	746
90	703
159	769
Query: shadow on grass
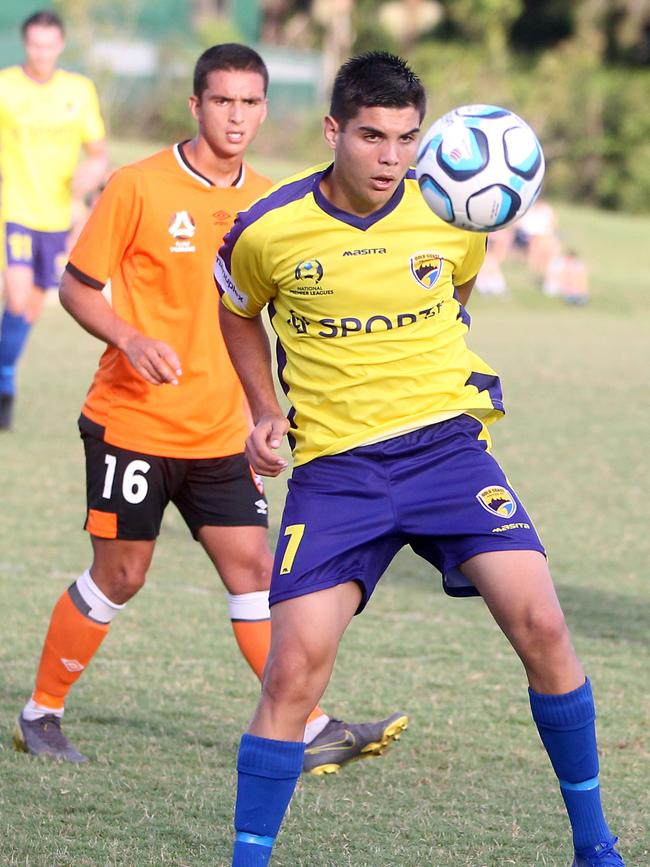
606	614
187	729
590	611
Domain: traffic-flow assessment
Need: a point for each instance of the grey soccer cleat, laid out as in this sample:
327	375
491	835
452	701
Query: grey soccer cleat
43	737
342	742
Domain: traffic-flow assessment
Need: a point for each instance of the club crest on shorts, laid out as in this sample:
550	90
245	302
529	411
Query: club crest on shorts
426	268
497	500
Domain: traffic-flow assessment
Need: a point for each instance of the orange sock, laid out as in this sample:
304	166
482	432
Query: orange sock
251	623
72	640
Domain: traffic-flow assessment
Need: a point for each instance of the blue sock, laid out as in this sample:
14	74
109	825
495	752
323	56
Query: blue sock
13	336
267	772
566	725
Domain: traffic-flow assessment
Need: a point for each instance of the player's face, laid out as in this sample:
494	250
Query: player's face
373	152
43	47
230	110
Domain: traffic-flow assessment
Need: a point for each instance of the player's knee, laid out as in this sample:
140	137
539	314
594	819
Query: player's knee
544	632
124	581
261	572
288	677
16	304
256	572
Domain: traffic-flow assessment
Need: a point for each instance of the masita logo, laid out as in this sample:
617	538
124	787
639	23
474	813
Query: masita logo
426	267
498	501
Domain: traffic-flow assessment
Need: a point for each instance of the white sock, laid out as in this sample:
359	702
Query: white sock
100	607
314	727
33	711
249	606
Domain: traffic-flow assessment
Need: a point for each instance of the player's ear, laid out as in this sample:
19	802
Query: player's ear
193	102
331	131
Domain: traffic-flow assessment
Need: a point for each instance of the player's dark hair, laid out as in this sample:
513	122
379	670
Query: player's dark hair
375	78
227	56
42	19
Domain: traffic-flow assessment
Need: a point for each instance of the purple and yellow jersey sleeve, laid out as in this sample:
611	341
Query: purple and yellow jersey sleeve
371	335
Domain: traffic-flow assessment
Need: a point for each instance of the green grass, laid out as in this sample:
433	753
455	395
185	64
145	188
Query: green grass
161	708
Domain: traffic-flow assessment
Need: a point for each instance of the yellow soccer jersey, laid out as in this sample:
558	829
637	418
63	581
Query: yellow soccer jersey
372	339
42	128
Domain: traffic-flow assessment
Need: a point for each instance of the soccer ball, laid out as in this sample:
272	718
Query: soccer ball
480	167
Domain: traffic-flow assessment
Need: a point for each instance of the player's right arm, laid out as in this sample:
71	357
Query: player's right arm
248	347
241	273
98	253
154	360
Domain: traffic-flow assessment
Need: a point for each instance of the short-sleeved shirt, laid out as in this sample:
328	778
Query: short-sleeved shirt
153	233
42	128
372	335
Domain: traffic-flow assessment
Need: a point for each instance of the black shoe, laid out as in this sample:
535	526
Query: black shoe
342	742
6	411
43	737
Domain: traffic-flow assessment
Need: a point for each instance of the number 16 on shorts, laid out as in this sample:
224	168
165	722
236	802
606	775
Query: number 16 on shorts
125	492
134	480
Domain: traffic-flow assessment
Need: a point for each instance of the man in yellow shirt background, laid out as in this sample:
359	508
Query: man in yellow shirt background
47	116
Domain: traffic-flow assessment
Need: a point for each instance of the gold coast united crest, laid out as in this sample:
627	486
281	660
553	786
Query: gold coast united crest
426	267
498	501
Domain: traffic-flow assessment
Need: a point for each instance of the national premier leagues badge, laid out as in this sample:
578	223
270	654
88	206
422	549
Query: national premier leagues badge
309	270
426	268
498	501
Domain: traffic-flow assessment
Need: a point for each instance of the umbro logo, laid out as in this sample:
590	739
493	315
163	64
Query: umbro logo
72	664
262	507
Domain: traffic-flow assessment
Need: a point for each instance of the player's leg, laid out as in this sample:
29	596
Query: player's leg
518	589
243	559
460	508
126	498
306	634
14	327
78	626
34	262
223	503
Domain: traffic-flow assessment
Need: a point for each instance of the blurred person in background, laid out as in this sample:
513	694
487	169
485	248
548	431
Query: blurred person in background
574	279
47	116
537	229
491	280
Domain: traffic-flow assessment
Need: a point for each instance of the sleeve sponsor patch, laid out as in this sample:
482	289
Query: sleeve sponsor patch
226	284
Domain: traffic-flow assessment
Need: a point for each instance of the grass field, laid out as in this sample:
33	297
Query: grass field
161	709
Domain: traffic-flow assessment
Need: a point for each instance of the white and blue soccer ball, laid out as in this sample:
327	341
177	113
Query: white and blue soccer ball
480	167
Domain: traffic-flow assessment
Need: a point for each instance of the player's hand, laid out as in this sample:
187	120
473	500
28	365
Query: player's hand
155	361
262	443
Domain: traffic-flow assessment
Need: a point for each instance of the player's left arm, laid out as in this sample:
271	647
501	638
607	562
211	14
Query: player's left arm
463	292
466	272
91	171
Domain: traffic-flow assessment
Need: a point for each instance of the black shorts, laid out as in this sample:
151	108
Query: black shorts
128	492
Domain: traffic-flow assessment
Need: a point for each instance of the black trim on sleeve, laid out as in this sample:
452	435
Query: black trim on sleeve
84	278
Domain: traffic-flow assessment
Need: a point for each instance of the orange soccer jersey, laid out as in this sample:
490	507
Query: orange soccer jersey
154	233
